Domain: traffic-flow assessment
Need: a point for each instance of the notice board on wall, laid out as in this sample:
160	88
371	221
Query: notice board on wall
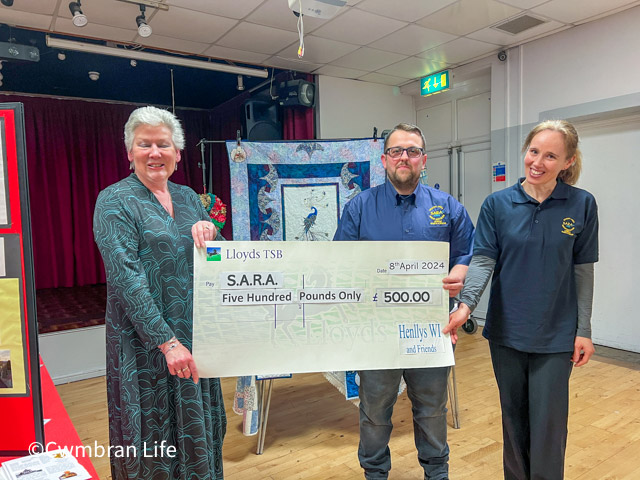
20	396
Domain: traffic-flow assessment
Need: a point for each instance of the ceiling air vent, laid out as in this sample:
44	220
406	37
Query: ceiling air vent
519	24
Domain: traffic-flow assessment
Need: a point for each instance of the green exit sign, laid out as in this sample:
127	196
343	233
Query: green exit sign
435	83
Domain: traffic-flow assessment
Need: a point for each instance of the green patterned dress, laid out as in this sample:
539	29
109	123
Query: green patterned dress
148	258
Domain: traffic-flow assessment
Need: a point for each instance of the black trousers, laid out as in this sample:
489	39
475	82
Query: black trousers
534	396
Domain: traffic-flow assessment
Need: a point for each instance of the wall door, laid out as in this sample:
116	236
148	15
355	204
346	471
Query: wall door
459	154
474	176
609	172
474	185
438	170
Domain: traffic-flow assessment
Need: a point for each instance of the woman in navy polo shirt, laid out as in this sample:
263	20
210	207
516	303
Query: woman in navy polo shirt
540	240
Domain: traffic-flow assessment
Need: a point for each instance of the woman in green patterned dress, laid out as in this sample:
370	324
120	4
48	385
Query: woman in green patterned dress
164	422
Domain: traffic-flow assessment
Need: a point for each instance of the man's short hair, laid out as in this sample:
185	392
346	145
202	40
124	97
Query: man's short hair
406	127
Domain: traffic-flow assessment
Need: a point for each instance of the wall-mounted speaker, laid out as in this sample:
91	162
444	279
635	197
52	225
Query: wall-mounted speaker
261	121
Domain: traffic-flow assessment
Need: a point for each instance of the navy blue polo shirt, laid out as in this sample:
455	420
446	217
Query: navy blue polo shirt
533	305
380	213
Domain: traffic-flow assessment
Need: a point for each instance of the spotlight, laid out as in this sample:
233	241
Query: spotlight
144	30
133	62
62	56
297	92
93	75
79	18
7	3
240	85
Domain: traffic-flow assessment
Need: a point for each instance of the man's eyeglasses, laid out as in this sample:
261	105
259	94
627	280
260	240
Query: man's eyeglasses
412	152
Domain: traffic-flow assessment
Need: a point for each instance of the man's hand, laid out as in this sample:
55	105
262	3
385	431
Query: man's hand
455	280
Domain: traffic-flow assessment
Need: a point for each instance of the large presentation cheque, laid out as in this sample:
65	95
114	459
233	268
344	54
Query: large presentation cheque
292	307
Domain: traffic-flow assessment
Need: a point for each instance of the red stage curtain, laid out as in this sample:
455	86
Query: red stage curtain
75	149
298	122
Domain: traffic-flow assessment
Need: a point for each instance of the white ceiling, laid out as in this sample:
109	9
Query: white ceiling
384	41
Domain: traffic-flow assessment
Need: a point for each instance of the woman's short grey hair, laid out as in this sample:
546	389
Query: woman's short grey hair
155	117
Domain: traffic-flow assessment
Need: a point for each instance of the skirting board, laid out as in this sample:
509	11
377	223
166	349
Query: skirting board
72	355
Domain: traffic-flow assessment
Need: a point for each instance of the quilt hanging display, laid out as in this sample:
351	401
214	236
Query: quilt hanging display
296	190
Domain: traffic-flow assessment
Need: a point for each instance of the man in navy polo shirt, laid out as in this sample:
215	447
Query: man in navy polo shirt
403	209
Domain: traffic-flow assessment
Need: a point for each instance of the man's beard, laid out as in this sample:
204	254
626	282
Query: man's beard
405	181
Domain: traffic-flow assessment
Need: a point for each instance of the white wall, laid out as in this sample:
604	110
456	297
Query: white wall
617	274
351	108
592	62
578	73
584	71
76	354
587	73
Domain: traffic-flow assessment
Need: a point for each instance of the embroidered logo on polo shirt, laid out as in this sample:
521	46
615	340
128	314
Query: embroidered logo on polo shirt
437	215
568	225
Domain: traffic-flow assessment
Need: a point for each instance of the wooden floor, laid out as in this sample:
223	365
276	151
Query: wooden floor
313	432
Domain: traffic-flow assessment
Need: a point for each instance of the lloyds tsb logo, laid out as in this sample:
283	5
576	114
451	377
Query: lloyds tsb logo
213	254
